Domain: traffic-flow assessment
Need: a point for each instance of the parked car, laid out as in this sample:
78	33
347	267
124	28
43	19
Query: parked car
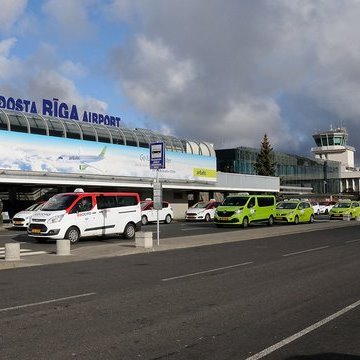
326	206
294	211
244	209
149	214
202	211
22	218
316	206
345	207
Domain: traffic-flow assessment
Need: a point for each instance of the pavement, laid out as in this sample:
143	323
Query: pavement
128	247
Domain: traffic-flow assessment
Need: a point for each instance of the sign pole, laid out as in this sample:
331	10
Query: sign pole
157	215
157	161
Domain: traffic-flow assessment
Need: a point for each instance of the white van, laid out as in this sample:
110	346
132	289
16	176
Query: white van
79	214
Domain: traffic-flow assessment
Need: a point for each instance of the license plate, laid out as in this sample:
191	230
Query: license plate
17	222
223	218
278	218
36	231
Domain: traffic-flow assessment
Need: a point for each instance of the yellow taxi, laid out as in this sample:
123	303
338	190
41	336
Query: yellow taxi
345	208
294	211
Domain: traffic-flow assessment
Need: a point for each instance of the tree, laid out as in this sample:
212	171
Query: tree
265	164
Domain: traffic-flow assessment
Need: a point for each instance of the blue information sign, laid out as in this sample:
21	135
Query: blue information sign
157	155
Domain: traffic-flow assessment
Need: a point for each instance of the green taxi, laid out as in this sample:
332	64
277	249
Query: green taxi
294	211
345	208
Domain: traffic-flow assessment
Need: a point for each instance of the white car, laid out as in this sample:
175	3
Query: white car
204	211
326	206
22	218
149	214
315	205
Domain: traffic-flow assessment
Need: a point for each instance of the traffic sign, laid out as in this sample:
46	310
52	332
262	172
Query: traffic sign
157	155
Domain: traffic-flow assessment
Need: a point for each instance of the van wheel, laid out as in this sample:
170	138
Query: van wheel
296	220
129	231
144	220
271	220
168	219
311	219
73	234
207	217
245	223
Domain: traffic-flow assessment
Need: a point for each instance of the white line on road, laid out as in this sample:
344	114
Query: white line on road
303	332
305	251
206	271
194	228
352	241
46	302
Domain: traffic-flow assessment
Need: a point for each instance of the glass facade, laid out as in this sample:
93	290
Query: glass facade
50	126
293	170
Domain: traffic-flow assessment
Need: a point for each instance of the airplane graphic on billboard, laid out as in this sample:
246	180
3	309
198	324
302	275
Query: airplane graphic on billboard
84	161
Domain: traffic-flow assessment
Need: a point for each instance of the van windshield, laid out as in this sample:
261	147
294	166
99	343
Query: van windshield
59	202
235	201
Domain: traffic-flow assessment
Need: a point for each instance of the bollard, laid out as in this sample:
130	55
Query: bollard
63	247
144	239
346	217
358	218
12	252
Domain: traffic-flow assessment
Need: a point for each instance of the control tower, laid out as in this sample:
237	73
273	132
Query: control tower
331	145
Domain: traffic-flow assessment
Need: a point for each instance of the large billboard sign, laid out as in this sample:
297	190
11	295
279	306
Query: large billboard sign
58	109
31	152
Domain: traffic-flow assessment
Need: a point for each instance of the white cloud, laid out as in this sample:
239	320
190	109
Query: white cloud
9	67
71	17
230	71
10	12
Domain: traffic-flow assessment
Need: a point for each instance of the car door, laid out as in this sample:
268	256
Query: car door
86	220
302	211
355	209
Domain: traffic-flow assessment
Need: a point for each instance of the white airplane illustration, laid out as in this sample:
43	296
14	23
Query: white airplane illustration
83	160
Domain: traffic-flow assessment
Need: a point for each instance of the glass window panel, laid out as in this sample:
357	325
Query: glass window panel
18	123
143	139
72	130
3	121
88	132
130	137
116	136
103	134
55	127
37	125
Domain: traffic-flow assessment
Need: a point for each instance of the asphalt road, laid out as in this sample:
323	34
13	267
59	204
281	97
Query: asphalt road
273	298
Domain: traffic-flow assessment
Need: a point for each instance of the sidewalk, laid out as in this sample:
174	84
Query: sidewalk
126	247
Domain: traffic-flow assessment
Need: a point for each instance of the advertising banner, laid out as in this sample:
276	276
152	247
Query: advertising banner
30	152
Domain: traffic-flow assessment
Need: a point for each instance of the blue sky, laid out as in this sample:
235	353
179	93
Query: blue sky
222	72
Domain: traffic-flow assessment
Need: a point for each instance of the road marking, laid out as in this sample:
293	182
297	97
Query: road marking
352	241
194	228
303	332
206	271
305	251
23	252
46	302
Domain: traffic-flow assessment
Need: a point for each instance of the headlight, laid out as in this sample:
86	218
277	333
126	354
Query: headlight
55	219
292	212
238	211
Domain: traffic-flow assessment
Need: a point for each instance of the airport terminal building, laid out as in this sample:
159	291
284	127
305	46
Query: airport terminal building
48	152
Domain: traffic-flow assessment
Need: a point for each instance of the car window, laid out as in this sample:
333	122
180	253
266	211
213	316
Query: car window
251	203
286	205
235	201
